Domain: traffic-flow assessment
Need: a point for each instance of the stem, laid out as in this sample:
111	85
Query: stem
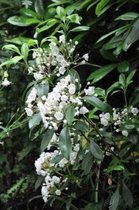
97	183
125	98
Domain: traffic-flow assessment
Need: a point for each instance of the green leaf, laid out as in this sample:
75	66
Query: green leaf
65	143
127	195
130	77
21	40
57	159
75	18
95	150
123	66
96	102
34	120
28	12
117	32
114	201
100	6
70	111
60	11
13	60
128	16
38	182
11	47
47	136
114	167
100	73
87	167
42	89
49	24
133	36
81	126
113	87
25	51
122	80
80	28
39	8
25	151
22	21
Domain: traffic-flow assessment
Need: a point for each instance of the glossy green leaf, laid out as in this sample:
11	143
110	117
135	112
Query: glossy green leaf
123	66
39	7
100	6
81	126
11	47
28	12
100	73
80	28
127	195
42	89
116	31
60	11
75	18
34	120
25	51
21	40
128	16
122	80
114	201
113	87
95	150
16	59
65	143
70	111
133	36
96	102
130	77
49	24
47	136
22	21
38	182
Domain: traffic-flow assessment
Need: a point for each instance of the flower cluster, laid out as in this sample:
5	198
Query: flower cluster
52	107
56	60
5	81
118	119
54	180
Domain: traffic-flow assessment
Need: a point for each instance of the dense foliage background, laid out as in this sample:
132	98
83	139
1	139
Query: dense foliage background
109	32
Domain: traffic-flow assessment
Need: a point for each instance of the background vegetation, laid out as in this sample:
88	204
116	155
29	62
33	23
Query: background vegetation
109	32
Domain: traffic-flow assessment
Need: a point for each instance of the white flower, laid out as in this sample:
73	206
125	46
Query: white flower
62	39
115	116
134	111
62	70
90	90
38	76
6	82
125	133
83	110
86	57
63	162
59	116
64	98
73	156
72	89
45	193
5	74
26	3
58	192
104	119
29	112
56	179
32	96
